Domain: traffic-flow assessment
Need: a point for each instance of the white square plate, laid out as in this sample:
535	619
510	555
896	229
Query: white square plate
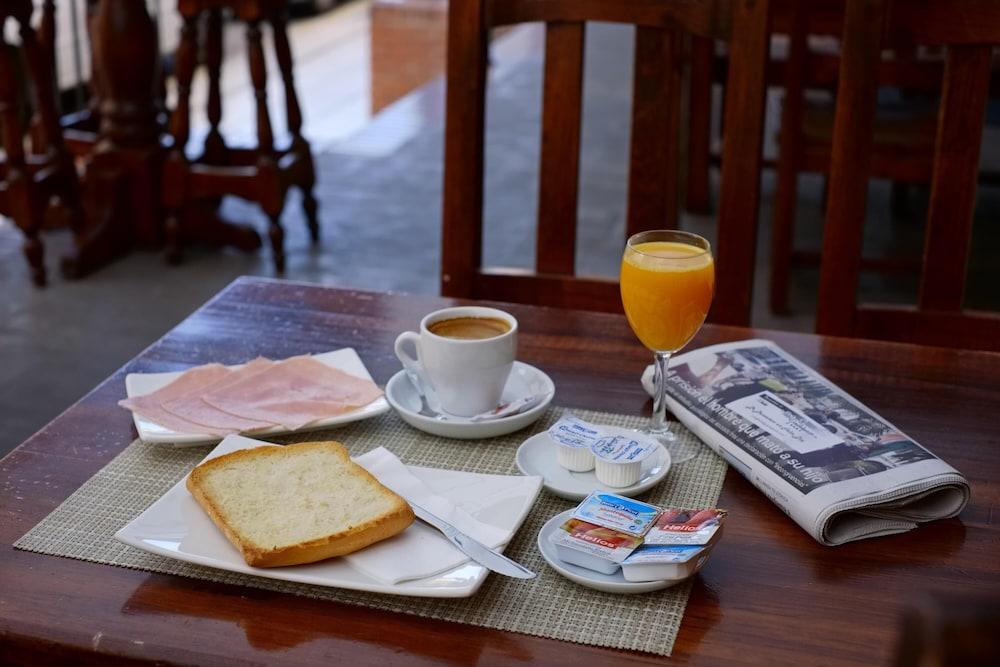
347	360
175	526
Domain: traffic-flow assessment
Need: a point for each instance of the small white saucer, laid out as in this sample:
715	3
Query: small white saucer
609	583
524	380
537	456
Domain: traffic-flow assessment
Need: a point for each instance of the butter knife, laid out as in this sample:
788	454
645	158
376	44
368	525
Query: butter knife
474	549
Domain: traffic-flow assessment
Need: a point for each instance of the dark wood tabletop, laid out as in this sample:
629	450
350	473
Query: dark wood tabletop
770	594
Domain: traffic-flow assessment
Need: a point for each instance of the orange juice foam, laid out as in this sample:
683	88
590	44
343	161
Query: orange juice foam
666	290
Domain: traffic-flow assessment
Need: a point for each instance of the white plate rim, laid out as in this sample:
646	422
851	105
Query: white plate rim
570	494
597	581
411	588
345	358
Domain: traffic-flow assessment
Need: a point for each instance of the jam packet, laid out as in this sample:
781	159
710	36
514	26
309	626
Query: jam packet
686	526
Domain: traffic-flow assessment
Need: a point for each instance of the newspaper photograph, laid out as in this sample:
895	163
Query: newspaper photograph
833	464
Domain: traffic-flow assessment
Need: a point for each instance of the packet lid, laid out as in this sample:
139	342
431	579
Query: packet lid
623	449
663	553
598	541
617	512
573	432
686	526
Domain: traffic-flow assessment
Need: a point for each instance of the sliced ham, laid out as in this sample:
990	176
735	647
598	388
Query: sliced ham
192	381
293	393
192	407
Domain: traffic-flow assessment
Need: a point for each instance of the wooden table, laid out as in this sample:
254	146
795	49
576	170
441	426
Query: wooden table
770	594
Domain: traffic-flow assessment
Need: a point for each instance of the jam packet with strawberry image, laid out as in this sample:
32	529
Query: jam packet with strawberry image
592	546
680	526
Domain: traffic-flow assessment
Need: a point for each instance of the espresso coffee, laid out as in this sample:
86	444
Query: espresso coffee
470	328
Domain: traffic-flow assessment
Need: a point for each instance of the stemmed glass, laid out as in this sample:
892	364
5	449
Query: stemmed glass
667	283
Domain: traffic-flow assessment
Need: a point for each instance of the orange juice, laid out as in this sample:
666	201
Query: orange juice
666	290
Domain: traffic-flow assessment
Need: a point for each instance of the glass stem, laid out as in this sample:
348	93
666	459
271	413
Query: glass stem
659	420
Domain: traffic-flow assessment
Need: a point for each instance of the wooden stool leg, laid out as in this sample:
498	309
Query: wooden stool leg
311	208
265	142
279	22
215	145
180	128
277	237
283	52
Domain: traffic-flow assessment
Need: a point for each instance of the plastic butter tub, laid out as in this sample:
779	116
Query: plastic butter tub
618	459
676	546
659	562
593	547
573	439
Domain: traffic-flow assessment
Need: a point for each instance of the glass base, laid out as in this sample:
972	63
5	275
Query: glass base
680	451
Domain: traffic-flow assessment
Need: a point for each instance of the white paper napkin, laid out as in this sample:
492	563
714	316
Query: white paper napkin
419	551
648	380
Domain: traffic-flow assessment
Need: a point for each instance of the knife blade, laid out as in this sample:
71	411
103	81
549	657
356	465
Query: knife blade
472	548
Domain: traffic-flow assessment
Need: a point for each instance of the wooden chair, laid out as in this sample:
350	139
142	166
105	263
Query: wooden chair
263	174
968	31
902	145
44	178
655	115
708	66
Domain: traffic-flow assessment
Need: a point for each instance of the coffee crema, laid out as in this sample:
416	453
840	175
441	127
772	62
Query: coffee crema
470	328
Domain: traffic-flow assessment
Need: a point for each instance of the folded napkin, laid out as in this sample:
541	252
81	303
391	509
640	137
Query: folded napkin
648	380
419	551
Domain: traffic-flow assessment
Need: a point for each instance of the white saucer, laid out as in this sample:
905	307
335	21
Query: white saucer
524	380
609	583
537	456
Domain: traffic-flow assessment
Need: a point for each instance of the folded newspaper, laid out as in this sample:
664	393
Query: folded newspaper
835	467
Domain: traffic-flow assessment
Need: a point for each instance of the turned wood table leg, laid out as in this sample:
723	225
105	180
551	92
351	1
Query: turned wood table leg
122	182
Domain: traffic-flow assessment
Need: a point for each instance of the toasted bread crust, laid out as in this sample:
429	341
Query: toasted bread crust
337	544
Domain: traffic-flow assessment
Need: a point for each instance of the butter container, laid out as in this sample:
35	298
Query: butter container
686	526
659	562
573	439
618	459
619	513
592	546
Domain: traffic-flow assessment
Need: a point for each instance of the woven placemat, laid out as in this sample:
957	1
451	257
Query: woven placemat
547	606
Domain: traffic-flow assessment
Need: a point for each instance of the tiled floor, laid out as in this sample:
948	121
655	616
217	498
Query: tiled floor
379	194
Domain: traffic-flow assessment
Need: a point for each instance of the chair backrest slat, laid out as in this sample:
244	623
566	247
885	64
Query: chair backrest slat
953	187
652	184
559	171
465	115
739	194
849	166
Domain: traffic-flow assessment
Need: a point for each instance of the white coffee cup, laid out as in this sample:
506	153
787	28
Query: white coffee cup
467	375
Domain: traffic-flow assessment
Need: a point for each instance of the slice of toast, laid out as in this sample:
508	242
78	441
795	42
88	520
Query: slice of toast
296	504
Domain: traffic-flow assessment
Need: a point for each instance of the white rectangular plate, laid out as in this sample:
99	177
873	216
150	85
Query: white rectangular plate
347	360
175	526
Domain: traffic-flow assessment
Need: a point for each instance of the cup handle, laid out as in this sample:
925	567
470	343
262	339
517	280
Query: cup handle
410	363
